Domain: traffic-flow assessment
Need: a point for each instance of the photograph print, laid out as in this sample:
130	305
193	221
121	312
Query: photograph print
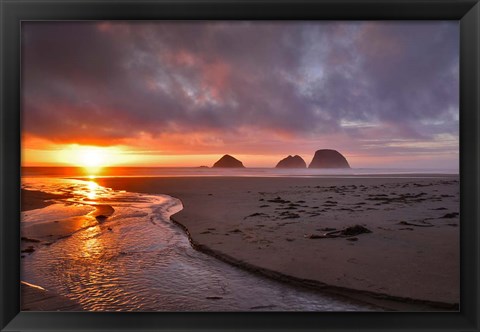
240	166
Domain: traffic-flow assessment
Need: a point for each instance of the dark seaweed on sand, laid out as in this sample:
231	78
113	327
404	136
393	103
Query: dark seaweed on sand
346	232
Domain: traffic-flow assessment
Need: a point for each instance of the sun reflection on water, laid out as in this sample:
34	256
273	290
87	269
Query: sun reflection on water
92	190
92	244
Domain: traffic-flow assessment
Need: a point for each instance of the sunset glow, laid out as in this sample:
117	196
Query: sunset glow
170	94
90	156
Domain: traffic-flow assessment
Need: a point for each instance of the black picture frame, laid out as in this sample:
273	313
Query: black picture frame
13	12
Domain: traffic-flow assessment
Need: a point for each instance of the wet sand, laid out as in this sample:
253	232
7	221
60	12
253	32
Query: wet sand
34	235
34	199
294	229
45	233
36	298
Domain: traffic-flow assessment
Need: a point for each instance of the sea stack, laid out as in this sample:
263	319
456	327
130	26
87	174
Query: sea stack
228	161
292	162
328	159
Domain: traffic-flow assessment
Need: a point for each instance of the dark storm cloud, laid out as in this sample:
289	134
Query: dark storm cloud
107	82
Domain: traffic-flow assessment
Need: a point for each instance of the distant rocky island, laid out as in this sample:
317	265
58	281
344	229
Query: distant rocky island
324	158
292	162
328	159
228	161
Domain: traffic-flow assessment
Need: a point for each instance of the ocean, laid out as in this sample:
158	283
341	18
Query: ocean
201	171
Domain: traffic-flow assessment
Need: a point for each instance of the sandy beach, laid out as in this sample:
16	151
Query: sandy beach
383	237
34	199
37	298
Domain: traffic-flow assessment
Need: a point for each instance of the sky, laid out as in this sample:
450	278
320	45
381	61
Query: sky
384	94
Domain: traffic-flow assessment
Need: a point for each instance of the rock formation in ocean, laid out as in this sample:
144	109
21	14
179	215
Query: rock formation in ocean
328	159
292	162
228	161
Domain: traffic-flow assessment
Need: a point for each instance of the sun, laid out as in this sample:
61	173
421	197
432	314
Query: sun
91	157
88	157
